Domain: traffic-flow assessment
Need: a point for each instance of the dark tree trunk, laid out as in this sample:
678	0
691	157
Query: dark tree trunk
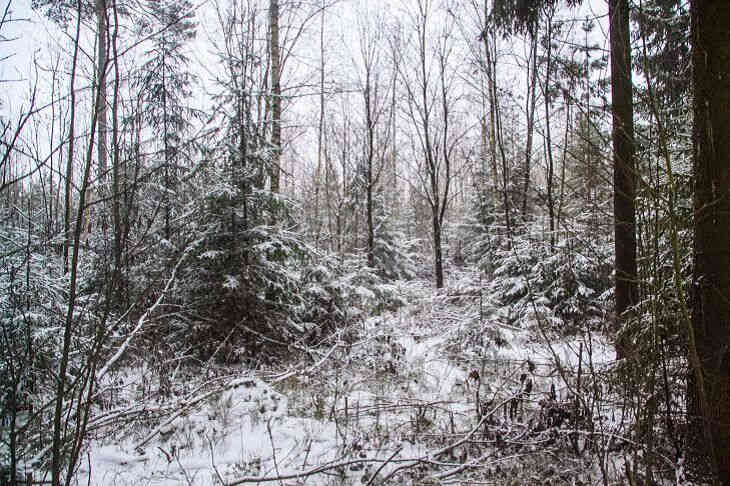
437	253
623	162
116	159
370	155
530	110
317	223
275	94
711	303
370	220
496	130
101	115
71	139
166	149
548	138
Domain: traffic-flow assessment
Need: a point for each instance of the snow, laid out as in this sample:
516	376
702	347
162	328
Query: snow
227	430
399	397
211	254
230	282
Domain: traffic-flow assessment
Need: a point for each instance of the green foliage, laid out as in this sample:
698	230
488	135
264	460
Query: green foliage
32	305
568	286
395	255
522	15
250	289
240	280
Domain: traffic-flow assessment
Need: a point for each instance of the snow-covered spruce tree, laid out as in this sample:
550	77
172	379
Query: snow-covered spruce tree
156	200
566	286
243	272
252	289
31	303
480	226
164	83
394	254
564	279
249	284
234	283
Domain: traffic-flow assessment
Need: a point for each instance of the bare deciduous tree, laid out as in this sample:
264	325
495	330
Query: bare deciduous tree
429	104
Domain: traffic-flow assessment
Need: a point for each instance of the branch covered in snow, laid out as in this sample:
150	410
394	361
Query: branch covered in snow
143	318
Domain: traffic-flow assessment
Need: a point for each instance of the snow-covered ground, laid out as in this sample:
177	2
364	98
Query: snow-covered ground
405	402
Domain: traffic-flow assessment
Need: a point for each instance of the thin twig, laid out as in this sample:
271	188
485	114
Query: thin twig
273	449
212	460
390	458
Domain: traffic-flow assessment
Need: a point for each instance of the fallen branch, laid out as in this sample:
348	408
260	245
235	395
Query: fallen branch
432	456
309	472
185	406
311	369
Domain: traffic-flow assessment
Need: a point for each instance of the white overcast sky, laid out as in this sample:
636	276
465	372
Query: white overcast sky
35	36
41	38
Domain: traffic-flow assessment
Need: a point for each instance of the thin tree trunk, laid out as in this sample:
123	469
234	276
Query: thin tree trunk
548	138
446	149
485	195
320	141
71	144
51	221
496	133
370	154
430	152
275	95
393	185
490	66
561	200
370	219
437	252
58	445
531	102
101	108
116	184
166	150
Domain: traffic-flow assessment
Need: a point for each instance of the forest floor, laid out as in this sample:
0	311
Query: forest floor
439	391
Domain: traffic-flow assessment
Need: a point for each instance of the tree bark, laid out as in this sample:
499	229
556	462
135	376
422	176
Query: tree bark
166	149
711	302
116	142
623	163
317	222
548	138
275	95
435	151
530	111
71	144
101	66
370	155
490	67
496	133
59	432
437	252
